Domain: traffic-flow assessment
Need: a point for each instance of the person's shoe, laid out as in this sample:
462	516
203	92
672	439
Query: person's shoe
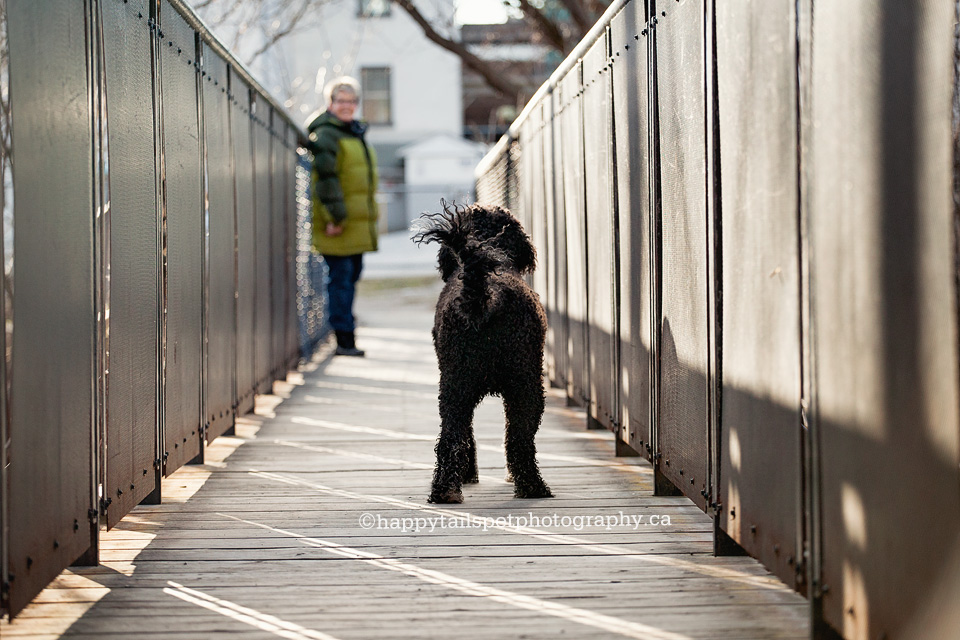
347	346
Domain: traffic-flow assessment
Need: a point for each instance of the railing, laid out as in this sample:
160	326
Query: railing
163	270
744	218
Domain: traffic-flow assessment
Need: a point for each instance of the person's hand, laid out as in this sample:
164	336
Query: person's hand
333	230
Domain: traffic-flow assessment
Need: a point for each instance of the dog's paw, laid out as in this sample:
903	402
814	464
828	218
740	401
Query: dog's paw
508	477
474	479
535	491
448	496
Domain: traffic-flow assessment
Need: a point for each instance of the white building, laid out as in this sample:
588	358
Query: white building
411	86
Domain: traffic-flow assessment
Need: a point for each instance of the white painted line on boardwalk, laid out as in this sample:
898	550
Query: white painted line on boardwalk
383	391
252	617
539	534
574	614
369	457
340	426
403	435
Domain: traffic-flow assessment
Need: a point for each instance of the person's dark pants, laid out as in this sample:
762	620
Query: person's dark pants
342	275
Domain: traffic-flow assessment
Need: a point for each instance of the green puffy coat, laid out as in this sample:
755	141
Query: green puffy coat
343	185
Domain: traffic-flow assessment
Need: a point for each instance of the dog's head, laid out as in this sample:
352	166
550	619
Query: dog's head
495	227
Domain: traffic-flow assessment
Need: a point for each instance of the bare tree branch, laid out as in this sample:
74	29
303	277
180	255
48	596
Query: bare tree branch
282	33
548	28
495	79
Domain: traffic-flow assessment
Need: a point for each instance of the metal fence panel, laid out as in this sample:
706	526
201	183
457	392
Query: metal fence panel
631	124
535	217
557	315
292	351
884	314
278	252
683	325
134	307
760	451
221	268
242	125
184	201
51	450
263	199
546	256
311	308
576	257
600	230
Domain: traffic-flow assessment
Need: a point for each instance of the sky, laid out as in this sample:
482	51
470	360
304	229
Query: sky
480	11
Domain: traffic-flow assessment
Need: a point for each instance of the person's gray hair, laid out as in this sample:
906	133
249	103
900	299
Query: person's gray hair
343	83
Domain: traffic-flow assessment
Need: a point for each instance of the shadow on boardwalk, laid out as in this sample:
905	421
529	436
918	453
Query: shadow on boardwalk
313	523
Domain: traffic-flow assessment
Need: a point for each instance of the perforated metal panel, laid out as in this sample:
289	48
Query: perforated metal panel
222	345
292	352
600	219
242	126
760	438
558	318
683	324
278	253
534	175
134	307
184	210
263	196
576	255
51	451
631	123
881	219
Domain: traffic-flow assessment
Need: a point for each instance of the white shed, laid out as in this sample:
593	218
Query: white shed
439	167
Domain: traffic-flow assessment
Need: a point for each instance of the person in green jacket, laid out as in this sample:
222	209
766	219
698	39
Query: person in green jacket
343	186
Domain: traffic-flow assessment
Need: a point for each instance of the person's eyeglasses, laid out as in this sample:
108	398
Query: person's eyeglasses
348	101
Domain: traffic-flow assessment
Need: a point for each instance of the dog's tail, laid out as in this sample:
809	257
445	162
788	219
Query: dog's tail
472	260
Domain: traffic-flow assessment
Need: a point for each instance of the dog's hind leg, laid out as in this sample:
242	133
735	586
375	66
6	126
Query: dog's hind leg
470	473
523	406
455	443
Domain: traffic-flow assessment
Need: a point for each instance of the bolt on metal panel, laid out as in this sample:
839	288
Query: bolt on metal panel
760	444
684	317
222	342
132	419
631	120
183	189
51	428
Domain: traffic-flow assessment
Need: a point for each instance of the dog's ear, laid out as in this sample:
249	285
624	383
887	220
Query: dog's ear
516	243
446	262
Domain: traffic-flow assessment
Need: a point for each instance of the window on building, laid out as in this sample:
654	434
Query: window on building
373	8
375	82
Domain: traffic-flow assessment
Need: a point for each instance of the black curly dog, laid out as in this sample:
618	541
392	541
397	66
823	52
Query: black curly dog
488	334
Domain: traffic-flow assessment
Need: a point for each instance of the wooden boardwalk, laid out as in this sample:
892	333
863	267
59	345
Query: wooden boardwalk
312	523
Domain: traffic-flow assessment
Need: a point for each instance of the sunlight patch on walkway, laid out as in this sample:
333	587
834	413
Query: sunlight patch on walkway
724	573
583	616
246	615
